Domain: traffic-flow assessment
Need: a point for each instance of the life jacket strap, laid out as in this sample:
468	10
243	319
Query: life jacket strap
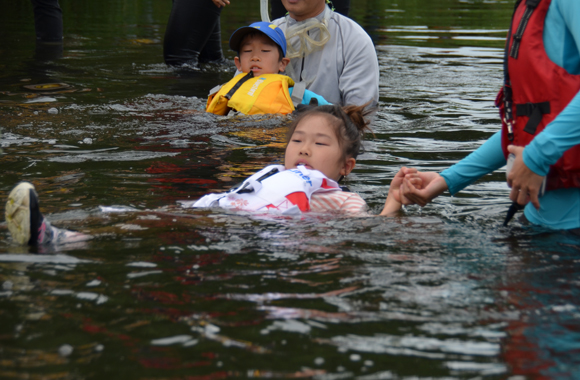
530	7
535	112
507	90
298	93
245	189
237	86
508	111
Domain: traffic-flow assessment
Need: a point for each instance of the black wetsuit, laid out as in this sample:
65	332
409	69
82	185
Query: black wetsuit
47	20
193	33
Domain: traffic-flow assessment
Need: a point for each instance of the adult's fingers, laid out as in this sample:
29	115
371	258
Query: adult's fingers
535	200
412	194
416	181
521	197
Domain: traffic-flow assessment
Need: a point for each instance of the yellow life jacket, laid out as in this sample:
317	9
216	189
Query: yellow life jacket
264	94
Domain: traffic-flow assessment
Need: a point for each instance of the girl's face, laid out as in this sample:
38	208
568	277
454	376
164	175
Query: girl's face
314	144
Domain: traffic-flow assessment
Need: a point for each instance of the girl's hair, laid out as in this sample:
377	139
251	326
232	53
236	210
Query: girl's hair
349	122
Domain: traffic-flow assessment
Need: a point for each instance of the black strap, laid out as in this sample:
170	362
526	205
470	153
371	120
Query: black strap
507	90
535	112
260	179
237	86
243	189
530	7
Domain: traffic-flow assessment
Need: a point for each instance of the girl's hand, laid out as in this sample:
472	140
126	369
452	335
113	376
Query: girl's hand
432	185
412	175
395	198
221	3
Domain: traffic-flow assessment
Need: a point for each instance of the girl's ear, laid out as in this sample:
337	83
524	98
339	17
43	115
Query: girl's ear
237	63
349	164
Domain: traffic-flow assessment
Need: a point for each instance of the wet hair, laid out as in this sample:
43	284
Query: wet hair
258	33
349	122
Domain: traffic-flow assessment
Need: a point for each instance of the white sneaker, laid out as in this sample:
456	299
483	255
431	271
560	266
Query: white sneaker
22	214
28	226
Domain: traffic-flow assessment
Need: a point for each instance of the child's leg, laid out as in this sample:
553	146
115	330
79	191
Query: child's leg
27	225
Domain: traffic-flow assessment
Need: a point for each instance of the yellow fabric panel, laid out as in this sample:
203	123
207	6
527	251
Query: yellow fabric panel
265	94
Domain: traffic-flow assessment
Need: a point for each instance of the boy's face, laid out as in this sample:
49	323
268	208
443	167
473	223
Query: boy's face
258	53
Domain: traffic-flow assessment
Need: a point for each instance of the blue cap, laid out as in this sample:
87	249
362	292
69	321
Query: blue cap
276	34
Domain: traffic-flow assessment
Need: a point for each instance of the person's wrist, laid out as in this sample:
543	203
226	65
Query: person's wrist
531	164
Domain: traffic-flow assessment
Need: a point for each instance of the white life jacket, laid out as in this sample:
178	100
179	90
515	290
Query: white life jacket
272	189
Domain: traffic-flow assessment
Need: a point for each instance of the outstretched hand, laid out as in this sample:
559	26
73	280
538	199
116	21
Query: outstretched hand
412	175
395	198
221	3
525	184
432	185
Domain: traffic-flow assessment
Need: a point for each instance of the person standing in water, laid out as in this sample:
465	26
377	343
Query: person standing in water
193	34
540	112
48	27
331	54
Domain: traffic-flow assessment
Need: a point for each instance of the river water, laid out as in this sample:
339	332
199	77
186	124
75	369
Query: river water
443	292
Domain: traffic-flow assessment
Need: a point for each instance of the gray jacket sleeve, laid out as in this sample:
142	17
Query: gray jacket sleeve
359	80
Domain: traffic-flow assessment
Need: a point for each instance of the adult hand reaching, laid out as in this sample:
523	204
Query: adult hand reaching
525	184
221	3
432	184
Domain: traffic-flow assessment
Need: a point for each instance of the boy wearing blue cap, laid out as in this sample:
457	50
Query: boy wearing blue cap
260	89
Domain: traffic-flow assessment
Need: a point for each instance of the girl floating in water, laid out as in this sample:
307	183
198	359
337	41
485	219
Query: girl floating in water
322	147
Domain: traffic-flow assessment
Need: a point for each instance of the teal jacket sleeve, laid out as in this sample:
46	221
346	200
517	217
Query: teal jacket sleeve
482	161
560	135
562	42
308	95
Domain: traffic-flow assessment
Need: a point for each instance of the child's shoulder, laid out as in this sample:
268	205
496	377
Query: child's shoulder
345	201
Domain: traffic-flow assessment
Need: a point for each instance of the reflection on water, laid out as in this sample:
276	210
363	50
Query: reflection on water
440	292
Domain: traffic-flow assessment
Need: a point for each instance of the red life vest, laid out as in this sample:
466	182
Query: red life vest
539	90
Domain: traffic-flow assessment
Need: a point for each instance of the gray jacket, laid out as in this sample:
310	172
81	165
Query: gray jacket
346	70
